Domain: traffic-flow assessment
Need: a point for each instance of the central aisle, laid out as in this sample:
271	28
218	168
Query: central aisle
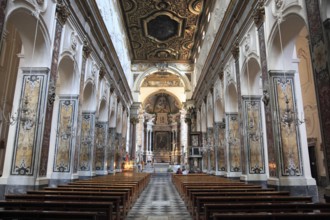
159	201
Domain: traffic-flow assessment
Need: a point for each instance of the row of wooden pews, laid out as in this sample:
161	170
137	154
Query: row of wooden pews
211	197
99	198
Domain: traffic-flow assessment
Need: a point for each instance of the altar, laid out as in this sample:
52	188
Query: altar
161	167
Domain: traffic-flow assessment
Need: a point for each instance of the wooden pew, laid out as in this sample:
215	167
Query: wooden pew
191	191
115	200
211	208
198	210
194	196
133	193
99	207
273	216
49	215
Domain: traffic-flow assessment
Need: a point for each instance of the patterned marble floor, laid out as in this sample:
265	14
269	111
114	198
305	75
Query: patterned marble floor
159	201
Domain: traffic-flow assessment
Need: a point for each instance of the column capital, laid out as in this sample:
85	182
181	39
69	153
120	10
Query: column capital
62	12
86	49
259	13
134	120
235	49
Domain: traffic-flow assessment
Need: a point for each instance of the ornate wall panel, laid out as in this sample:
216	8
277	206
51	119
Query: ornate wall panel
233	140
100	145
222	158
65	134
26	141
111	148
87	141
287	128
253	139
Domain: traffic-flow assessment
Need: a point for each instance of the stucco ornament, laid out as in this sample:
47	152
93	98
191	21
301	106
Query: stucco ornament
319	56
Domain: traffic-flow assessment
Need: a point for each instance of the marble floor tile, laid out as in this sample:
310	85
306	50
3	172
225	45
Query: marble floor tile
159	201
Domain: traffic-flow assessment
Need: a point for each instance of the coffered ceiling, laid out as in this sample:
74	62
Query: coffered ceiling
164	30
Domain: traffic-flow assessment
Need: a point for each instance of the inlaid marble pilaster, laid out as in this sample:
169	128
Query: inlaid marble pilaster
320	62
118	151
62	15
210	143
87	142
233	141
286	125
29	121
253	141
66	134
101	140
111	149
222	150
205	153
268	108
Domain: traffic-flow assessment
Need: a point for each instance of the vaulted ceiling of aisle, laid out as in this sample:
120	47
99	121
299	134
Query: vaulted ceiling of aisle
164	30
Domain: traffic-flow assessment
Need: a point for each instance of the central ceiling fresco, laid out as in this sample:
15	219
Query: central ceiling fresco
163	30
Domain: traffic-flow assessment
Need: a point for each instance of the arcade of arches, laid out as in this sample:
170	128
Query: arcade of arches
251	101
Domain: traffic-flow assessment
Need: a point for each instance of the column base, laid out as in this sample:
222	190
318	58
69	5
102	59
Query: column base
86	173
254	177
233	174
297	186
101	172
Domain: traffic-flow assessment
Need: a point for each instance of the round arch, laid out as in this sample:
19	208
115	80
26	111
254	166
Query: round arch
231	101
35	39
159	92
281	42
250	80
152	70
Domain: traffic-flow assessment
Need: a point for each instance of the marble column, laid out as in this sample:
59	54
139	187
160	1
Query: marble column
268	108
320	62
133	122
62	14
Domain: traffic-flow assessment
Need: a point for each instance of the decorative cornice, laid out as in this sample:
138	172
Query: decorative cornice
259	13
62	12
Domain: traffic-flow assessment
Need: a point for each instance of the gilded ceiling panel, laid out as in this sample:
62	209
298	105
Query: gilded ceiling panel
162	30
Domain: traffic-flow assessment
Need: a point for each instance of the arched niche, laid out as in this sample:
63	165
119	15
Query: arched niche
282	42
34	37
203	117
89	102
210	111
231	98
66	83
250	81
162	102
218	102
103	113
112	110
